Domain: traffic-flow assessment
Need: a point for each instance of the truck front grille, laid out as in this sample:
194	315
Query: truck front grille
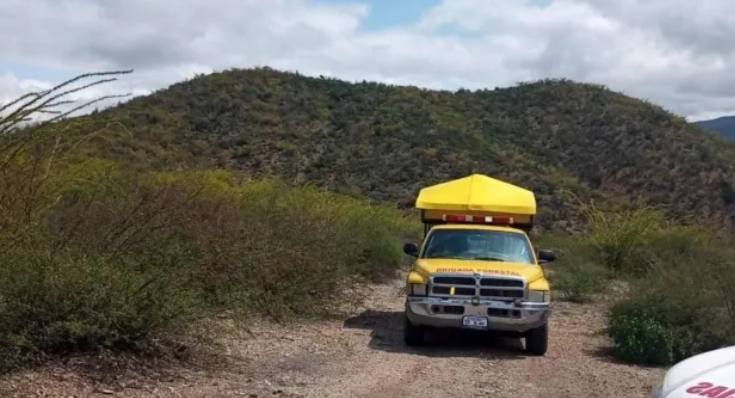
518	293
447	290
455	280
501	282
503	288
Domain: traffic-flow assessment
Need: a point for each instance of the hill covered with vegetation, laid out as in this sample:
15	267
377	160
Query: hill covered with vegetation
725	126
385	142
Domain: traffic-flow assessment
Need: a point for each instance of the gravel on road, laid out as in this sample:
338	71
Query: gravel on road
363	355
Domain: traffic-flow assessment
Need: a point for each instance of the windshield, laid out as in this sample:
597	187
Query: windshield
478	245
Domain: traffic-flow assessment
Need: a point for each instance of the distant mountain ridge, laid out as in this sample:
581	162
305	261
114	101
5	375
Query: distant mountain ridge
564	140
725	126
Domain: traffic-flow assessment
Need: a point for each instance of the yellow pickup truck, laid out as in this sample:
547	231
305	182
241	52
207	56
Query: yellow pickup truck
476	268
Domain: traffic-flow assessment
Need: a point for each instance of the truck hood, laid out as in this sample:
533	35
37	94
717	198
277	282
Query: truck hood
711	374
430	266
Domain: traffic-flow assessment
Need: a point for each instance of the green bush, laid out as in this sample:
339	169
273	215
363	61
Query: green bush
578	281
576	275
102	266
681	243
685	294
616	243
619	237
88	302
639	337
676	296
112	259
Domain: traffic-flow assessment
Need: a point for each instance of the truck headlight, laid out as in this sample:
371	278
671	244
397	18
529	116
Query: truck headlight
417	289
539	296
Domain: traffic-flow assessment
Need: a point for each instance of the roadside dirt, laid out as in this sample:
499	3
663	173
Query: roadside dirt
364	356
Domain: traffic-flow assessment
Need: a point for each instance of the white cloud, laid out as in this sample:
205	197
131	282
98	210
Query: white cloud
677	53
12	87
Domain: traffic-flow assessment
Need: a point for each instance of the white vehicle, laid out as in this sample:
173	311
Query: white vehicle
711	374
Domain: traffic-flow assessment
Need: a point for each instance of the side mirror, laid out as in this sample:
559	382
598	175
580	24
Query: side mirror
411	249
546	256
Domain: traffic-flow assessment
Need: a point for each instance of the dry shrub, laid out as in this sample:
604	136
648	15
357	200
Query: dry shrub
117	259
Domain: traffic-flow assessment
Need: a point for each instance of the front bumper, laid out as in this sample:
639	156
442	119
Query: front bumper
502	315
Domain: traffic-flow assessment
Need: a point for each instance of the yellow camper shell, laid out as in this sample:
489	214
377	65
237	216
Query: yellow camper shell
477	194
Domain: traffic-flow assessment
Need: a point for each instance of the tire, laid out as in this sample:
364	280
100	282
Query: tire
537	340
413	335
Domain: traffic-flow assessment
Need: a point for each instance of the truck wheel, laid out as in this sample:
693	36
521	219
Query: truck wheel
413	335
537	340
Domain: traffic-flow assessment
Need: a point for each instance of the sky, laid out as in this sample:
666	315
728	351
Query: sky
679	54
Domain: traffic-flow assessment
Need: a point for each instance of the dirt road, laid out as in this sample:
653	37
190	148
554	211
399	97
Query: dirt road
364	356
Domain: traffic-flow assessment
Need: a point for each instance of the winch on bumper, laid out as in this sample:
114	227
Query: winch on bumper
512	316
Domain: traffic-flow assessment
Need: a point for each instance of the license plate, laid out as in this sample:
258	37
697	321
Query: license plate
474	322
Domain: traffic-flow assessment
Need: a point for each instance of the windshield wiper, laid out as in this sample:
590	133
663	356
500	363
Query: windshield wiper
488	258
